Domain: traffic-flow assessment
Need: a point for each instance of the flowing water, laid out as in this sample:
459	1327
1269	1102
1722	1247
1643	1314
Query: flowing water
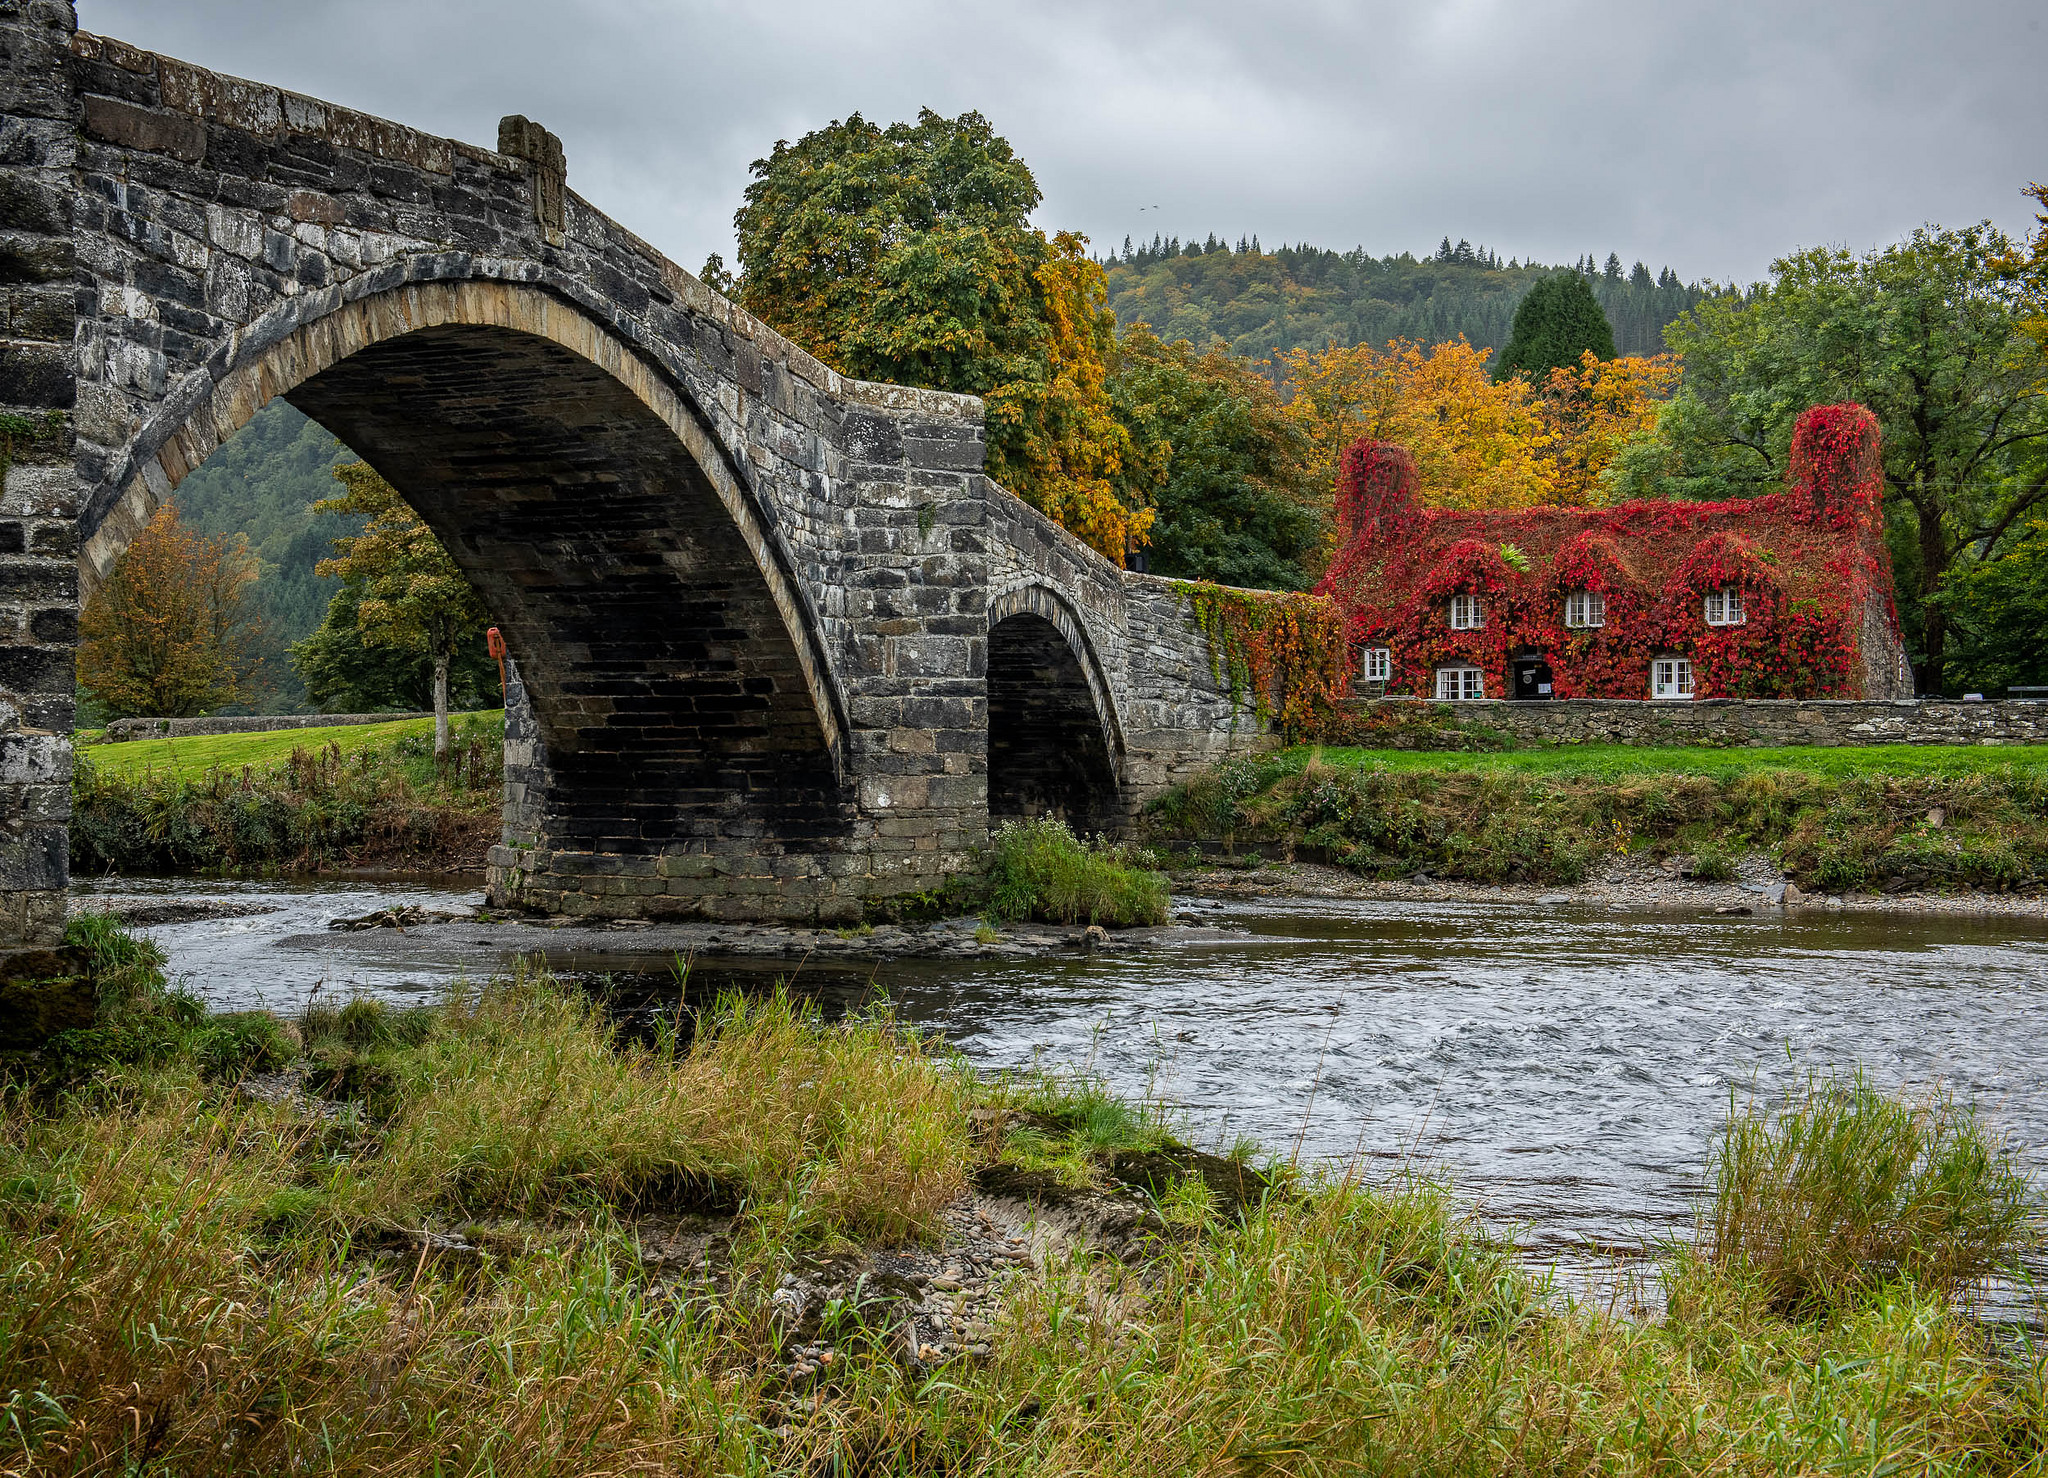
1567	1067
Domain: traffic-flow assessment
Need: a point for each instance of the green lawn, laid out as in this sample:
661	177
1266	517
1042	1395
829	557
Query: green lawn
1614	760
193	757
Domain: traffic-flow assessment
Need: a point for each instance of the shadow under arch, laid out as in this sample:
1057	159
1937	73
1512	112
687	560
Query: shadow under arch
1055	746
677	679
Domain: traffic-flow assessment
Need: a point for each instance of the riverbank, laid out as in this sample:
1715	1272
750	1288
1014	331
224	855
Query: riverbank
1910	827
504	1236
312	801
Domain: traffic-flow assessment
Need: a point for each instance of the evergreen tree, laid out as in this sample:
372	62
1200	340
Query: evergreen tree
1557	322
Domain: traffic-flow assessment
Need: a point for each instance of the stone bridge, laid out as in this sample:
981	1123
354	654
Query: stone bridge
781	647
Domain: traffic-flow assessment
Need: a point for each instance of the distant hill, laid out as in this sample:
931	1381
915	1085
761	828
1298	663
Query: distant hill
262	482
1304	297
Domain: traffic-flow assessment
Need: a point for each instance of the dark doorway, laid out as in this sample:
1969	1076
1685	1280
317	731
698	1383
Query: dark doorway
1046	751
1531	678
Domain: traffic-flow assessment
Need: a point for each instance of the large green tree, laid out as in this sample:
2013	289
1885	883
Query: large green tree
1228	464
1998	615
408	593
1555	325
906	254
1927	333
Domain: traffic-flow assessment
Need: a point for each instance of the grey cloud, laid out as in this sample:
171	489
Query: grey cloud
1711	137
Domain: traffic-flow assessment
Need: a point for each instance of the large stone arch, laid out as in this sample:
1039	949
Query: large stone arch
1055	743
680	692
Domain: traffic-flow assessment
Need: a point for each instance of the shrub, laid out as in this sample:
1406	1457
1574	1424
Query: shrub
1041	870
1846	1189
1710	865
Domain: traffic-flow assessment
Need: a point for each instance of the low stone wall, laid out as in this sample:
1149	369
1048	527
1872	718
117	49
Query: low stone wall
1756	722
185	728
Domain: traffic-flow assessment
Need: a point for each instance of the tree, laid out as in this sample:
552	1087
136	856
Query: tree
409	593
1227	466
1998	610
1930	335
1476	443
1557	322
1594	412
905	254
171	633
343	673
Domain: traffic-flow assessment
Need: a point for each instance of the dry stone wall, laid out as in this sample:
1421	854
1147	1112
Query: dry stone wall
1755	722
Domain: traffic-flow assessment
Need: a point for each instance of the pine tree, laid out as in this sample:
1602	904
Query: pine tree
1613	268
1558	321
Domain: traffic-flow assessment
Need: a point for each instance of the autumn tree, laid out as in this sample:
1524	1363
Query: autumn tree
1228	465
905	254
1592	413
1475	443
408	593
171	631
1557	322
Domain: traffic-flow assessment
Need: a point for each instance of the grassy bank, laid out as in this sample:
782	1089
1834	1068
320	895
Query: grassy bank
1888	817
196	1282
301	800
192	758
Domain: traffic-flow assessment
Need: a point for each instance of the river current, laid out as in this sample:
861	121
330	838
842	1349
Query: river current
1566	1067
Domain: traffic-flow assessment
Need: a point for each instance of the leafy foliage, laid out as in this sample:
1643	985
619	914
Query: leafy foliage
408	593
905	254
171	632
344	672
1233	499
1040	870
1557	324
1280	655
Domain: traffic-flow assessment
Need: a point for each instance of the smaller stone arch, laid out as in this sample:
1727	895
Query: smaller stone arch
1056	745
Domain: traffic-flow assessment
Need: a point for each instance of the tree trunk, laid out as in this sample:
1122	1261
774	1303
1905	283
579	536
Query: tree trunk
441	706
1933	619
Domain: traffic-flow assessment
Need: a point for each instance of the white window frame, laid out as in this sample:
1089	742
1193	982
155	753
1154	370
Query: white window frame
1468	612
1584	609
1724	607
1375	664
1671	679
1461	684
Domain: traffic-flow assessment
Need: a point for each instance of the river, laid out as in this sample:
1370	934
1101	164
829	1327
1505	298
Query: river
1565	1066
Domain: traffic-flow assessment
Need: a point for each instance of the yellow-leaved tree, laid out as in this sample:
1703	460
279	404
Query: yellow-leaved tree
1594	410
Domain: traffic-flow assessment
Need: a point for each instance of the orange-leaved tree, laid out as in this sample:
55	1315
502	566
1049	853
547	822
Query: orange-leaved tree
171	633
1475	444
1593	410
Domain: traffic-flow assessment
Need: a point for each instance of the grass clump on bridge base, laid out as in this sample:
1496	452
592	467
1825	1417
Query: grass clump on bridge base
1890	818
198	1279
1041	870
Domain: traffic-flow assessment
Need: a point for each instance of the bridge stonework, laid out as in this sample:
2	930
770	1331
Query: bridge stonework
780	647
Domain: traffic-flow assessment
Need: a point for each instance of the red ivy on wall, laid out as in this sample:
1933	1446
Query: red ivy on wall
1807	563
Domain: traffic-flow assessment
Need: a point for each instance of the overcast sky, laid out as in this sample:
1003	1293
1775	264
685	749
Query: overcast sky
1712	137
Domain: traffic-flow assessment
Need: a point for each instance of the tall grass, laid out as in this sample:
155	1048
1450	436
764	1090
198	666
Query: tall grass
195	1284
1846	1189
1041	870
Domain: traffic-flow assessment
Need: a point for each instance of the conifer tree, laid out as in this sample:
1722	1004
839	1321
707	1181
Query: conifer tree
1558	321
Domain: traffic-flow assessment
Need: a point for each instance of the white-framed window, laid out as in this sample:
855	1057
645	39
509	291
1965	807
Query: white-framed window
1724	607
1468	612
1375	664
1671	677
1460	684
1585	608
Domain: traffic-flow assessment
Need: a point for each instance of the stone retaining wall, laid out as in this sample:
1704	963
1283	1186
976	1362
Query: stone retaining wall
123	729
1756	722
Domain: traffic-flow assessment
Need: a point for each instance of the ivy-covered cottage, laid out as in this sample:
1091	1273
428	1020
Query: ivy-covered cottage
1785	596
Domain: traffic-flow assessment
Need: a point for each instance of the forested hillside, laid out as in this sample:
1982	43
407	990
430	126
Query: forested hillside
262	483
1302	297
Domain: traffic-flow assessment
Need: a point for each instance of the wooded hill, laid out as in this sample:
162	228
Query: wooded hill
1303	297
